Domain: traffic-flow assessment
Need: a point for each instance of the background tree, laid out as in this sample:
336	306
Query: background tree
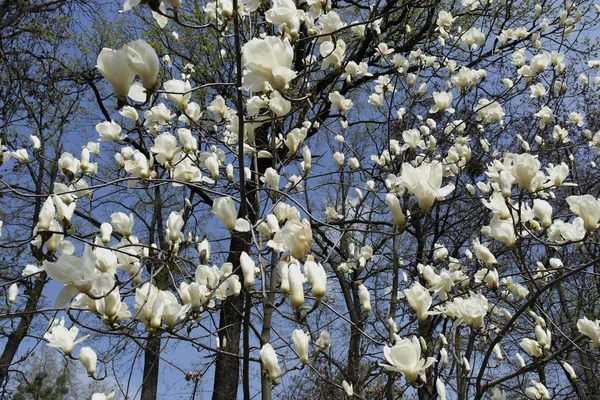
47	376
41	88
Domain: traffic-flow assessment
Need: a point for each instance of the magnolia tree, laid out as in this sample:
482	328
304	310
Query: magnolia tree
333	199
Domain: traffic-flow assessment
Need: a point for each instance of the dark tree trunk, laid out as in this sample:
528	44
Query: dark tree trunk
227	367
17	336
151	364
354	354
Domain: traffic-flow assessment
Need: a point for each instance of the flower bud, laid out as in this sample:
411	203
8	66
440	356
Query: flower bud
88	358
301	341
296	285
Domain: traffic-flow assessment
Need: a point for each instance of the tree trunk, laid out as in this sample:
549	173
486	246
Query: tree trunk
427	391
353	373
230	323
17	336
265	335
151	364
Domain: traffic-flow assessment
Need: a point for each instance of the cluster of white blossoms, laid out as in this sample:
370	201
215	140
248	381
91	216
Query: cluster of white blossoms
426	164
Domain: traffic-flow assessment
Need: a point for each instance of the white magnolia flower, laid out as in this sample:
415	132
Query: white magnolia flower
576	118
64	211
489	111
588	208
419	299
85	165
296	280
473	38
333	53
364	297
267	64
219	108
295	138
537	391
62	338
339	102
20	155
354	70
471	310
212	164
440	252
502	230
412	139
122	222
142	59
497	394
442	102
339	158
153	305
102	396
441	389
569	369
88	358
405	357
396	210
76	274
160	18
69	165
271	178
557	174
488	276
110	131
324	340
543	211
179	91
329	23
532	347
295	236
348	388
285	14
269	227
590	329
464	79
283	269
190	144
175	224
444	356
483	254
165	147
540	62
425	182
445	20
110	307
248	269
544	337
376	99
524	168
316	275
301	341
268	358
129	112
13	292
36	142
508	83
46	214
278	104
224	209
114	66
538	90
